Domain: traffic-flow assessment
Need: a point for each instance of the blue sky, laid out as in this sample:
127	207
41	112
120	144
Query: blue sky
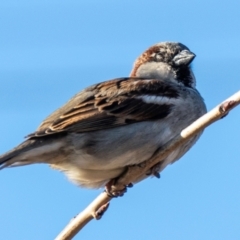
52	49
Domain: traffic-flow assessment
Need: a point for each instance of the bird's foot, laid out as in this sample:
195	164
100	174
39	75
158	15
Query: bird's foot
112	192
154	171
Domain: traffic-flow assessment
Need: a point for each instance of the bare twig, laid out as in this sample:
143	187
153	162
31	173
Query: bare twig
99	205
93	210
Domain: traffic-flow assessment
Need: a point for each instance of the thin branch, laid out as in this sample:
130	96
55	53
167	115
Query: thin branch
100	204
94	210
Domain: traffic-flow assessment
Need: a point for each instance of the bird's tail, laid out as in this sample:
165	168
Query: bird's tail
35	150
10	158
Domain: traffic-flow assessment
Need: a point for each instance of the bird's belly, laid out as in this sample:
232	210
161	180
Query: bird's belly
97	157
114	148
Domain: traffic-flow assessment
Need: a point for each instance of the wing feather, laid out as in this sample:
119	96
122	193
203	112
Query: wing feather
111	104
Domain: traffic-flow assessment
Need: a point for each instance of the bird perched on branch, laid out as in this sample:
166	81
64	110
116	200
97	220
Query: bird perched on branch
109	126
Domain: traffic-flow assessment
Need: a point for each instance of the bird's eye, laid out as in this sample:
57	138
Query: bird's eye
178	51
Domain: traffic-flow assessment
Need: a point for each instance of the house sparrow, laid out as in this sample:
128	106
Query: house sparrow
120	122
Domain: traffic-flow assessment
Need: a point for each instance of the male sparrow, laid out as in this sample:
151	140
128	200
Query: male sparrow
120	122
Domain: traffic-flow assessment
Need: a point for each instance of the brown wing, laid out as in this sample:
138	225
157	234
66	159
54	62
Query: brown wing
110	104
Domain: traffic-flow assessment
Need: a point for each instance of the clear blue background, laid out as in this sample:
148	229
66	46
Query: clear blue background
49	50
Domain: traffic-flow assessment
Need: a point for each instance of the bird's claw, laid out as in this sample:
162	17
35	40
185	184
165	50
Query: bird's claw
154	171
111	192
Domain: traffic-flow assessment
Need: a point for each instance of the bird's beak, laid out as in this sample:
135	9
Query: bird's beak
185	57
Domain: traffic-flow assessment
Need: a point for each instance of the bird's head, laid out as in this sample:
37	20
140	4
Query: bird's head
167	61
